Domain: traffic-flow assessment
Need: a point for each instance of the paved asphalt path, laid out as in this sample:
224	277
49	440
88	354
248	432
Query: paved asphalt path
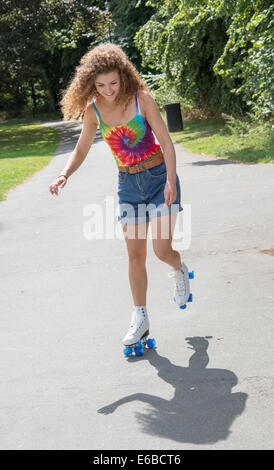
66	305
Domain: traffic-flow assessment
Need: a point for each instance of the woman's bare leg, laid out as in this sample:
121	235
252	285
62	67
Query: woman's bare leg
136	241
162	229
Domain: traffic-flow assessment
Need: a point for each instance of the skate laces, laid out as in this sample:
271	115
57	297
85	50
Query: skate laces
133	324
135	319
179	280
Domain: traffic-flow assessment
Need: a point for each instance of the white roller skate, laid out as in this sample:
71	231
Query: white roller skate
136	337
181	278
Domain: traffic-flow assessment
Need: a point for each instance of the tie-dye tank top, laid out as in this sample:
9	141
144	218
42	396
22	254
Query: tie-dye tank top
132	142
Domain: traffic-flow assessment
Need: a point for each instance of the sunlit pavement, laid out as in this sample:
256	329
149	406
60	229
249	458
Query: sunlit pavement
66	305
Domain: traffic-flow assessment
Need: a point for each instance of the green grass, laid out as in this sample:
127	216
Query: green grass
24	149
213	138
28	118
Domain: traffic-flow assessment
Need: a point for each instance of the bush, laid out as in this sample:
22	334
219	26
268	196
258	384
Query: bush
249	126
165	93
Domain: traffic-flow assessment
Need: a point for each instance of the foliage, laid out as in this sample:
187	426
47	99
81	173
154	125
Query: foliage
128	19
251	45
164	93
249	127
214	55
42	40
208	49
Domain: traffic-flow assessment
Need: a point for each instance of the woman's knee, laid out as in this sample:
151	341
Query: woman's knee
162	252
137	256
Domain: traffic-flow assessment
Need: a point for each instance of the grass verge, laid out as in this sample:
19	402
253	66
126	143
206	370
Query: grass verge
214	138
24	149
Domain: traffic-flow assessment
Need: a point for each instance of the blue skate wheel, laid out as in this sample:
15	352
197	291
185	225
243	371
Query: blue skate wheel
191	275
151	343
139	351
190	298
139	345
128	351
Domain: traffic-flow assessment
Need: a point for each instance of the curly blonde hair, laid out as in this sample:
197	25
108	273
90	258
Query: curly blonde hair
100	59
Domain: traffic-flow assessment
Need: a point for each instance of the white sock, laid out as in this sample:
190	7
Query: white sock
177	270
141	310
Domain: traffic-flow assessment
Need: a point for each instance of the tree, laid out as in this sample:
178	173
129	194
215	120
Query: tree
41	42
251	45
128	19
203	49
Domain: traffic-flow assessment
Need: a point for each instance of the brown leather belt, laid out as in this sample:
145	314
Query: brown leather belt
155	160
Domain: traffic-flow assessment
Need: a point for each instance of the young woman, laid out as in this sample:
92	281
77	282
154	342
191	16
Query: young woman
108	92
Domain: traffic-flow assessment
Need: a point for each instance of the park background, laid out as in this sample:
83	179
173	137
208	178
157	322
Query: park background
213	57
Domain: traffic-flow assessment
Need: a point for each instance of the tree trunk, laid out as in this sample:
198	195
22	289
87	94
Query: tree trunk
33	100
203	100
52	102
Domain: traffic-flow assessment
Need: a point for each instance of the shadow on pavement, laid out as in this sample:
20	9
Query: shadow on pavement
220	161
223	161
203	407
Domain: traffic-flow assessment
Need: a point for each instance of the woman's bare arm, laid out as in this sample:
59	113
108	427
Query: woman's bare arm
84	142
81	149
151	112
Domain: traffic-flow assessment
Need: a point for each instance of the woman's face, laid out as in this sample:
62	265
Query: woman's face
108	85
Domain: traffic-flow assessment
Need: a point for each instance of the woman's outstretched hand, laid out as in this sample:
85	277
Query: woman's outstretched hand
59	181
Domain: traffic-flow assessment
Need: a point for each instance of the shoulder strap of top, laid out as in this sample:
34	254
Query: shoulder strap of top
137	104
96	110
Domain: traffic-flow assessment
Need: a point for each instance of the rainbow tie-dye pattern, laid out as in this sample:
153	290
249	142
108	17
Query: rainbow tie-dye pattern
130	143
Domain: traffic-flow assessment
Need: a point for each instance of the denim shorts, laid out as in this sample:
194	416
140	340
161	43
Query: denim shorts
141	195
